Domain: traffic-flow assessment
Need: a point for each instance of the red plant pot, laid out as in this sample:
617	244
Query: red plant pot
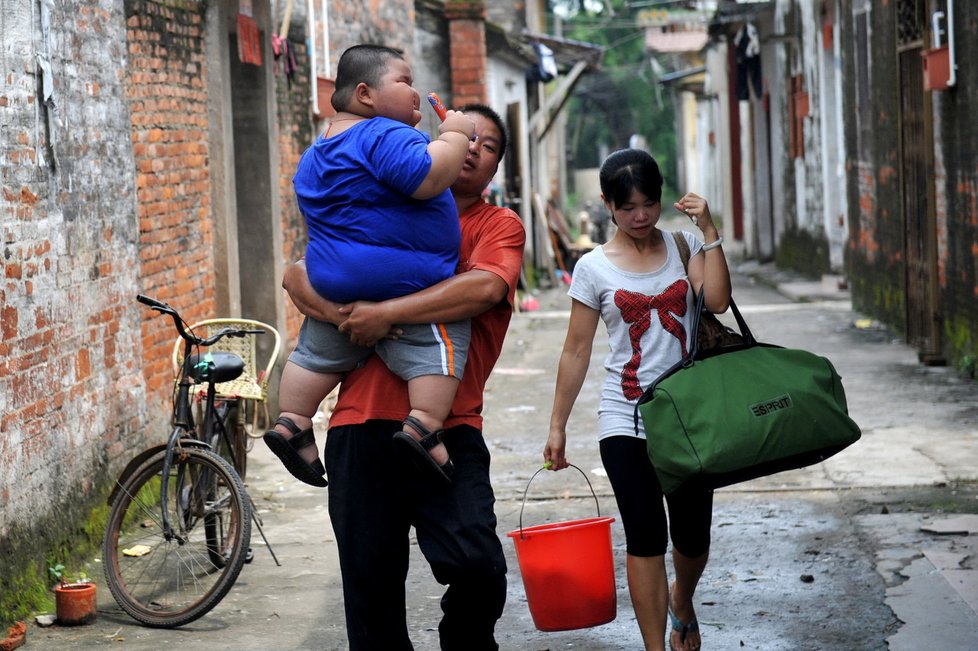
75	603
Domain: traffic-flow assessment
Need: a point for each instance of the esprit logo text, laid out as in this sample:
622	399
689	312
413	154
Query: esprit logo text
771	406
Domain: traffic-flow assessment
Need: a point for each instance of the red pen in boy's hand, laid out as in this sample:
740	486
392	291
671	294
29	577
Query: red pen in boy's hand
436	104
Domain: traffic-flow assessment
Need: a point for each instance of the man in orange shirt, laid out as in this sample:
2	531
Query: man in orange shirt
372	502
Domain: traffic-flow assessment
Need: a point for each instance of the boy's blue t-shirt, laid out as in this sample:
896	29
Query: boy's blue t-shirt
368	239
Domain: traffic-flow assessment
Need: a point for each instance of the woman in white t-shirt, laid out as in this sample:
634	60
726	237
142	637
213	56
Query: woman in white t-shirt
637	285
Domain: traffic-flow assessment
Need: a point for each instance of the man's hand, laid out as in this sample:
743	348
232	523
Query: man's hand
367	323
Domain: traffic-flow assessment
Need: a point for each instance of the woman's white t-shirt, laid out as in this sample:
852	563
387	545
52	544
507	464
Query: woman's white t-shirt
648	316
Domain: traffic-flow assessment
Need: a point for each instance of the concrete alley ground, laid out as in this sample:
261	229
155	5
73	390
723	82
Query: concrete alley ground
874	549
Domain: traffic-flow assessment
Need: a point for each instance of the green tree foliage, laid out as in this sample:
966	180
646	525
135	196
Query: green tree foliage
622	99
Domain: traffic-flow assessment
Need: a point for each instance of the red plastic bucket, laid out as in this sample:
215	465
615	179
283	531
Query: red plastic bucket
568	571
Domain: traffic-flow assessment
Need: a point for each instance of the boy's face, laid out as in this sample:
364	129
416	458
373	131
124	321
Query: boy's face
395	96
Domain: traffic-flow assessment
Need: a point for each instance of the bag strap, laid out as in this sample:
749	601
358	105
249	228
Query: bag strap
698	313
684	254
683	247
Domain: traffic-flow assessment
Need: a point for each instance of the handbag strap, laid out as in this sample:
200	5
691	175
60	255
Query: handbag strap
683	247
745	332
698	313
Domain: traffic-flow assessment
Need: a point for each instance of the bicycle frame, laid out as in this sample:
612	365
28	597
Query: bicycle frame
182	418
183	427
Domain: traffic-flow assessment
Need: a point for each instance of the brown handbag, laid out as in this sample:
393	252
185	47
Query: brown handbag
711	333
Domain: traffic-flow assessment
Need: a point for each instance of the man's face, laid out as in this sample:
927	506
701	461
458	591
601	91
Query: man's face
482	160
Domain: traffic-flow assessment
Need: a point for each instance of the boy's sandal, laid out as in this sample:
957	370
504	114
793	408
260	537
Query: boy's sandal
420	449
287	450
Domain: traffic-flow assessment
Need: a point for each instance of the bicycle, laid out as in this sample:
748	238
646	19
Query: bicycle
180	518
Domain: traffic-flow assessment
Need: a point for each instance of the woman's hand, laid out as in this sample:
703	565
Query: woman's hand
553	451
696	208
709	270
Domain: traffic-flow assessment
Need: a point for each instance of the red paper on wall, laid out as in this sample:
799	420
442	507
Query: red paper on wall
249	40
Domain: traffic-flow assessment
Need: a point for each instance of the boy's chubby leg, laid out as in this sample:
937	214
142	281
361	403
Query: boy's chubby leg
431	399
291	438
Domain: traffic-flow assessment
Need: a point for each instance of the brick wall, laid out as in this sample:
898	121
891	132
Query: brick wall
105	192
166	87
467	37
295	134
69	379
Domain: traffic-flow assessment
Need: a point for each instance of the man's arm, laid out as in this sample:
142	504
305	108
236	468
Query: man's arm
492	269
460	297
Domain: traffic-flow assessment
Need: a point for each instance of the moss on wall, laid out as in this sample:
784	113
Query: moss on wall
961	345
804	252
73	539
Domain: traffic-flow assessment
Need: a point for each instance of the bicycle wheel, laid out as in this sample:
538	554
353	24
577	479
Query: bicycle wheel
170	580
227	436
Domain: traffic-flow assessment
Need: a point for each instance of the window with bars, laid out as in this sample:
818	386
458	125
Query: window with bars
910	22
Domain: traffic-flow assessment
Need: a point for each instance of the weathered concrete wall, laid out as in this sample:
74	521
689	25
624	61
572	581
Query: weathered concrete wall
877	269
295	134
877	244
389	23
956	180
800	239
432	69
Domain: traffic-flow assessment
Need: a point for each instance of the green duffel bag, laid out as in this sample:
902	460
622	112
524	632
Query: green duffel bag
731	414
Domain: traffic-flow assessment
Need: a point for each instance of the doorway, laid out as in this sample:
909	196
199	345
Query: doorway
917	187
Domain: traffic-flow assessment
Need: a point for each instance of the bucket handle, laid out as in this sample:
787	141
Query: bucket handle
583	474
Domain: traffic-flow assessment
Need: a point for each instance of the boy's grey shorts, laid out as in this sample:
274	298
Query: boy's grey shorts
423	349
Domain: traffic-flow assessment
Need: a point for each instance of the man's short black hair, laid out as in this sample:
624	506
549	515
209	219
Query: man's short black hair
365	63
490	114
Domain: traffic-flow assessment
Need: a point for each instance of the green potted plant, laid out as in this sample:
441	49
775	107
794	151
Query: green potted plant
74	599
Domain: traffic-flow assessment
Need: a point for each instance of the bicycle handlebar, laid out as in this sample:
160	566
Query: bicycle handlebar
165	308
153	303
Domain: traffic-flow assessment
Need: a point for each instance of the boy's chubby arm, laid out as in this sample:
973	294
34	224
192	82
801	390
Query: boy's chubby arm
447	153
307	300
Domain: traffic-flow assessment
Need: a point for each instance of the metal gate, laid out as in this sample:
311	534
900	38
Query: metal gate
917	186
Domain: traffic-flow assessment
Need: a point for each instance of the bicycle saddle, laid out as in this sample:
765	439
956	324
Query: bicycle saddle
215	367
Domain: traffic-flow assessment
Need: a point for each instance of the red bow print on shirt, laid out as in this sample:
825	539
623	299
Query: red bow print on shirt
636	310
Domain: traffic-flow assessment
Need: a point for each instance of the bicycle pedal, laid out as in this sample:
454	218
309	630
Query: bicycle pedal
249	555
